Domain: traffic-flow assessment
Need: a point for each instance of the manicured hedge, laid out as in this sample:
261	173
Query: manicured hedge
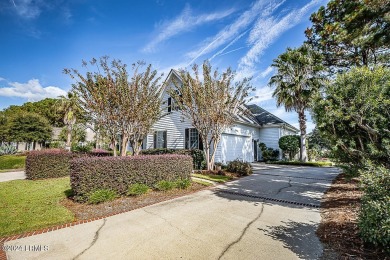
314	164
196	154
53	163
118	173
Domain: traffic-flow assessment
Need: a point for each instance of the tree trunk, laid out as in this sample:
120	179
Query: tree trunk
68	137
125	141
302	126
113	144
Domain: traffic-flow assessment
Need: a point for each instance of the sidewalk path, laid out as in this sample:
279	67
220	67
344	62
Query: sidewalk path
9	176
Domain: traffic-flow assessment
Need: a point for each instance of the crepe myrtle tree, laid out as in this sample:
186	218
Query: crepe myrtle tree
119	104
211	104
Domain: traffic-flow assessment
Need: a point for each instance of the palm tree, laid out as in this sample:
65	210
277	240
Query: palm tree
297	81
70	106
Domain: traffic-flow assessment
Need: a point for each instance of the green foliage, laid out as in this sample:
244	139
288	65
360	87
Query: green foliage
101	195
137	189
351	33
314	164
118	173
374	218
7	149
290	144
268	153
32	205
57	144
196	154
297	81
29	127
78	134
165	185
354	116
240	167
81	148
8	162
183	184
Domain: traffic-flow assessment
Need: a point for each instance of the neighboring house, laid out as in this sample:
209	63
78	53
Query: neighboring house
238	142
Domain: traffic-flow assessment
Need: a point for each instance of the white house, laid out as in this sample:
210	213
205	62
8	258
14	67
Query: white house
238	142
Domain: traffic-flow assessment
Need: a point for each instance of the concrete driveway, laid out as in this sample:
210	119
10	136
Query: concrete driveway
272	214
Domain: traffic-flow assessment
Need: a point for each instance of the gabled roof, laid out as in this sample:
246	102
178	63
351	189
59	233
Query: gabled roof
257	116
263	117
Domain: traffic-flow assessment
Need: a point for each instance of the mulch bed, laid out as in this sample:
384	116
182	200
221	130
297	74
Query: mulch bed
85	211
338	229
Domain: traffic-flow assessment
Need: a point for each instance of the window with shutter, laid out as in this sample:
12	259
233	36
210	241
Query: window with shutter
192	139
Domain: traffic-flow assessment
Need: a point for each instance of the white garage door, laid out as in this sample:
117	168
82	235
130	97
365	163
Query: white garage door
233	147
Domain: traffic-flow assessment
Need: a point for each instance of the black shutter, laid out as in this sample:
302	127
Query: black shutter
155	140
200	143
165	139
186	138
169	104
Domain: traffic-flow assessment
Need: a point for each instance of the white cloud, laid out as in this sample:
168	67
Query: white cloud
229	32
27	9
32	90
184	22
1	79
267	29
266	72
262	94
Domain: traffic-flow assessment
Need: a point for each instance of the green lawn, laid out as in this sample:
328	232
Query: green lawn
9	162
211	177
30	205
205	183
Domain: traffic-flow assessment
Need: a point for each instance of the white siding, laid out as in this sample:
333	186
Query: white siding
173	123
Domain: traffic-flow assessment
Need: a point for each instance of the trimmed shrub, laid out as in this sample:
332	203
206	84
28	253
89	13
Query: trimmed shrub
51	163
137	189
267	153
54	163
374	218
196	154
183	184
118	173
165	185
101	195
240	167
290	144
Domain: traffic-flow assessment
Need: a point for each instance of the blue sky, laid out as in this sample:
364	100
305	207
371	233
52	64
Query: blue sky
40	38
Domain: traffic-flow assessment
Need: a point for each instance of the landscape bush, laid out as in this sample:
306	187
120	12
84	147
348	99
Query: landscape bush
268	153
183	184
165	185
118	173
50	163
7	149
240	167
196	154
374	217
290	145
54	163
137	189
101	195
